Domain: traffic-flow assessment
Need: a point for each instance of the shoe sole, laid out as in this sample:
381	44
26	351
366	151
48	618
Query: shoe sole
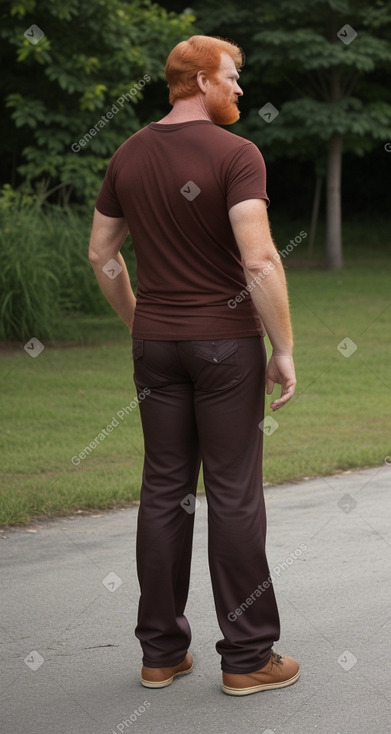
167	682
263	687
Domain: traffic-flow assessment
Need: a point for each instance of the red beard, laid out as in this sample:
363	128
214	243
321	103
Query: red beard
223	111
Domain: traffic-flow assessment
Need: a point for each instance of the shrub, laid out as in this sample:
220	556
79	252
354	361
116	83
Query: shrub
45	272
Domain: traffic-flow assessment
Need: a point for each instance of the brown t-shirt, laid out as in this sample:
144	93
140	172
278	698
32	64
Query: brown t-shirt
175	184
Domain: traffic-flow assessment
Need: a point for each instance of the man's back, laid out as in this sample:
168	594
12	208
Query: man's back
174	184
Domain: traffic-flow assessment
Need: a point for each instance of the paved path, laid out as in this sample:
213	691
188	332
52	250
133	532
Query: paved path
70	662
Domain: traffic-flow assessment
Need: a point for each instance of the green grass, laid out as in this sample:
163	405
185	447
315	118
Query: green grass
46	275
54	405
61	401
339	417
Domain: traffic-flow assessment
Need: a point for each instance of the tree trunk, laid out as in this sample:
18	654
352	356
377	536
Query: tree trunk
315	212
334	257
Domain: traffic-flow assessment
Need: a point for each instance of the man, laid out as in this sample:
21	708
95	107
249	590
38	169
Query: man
193	197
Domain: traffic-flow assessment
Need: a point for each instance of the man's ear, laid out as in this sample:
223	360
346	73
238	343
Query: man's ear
202	81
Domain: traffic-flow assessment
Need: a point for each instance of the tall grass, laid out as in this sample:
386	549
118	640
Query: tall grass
45	274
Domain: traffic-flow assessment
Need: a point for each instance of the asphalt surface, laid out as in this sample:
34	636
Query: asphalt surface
71	664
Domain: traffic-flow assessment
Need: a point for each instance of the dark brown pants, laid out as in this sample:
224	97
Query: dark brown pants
206	403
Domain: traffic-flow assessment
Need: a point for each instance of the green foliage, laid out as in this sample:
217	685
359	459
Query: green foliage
45	273
62	87
324	65
28	284
320	85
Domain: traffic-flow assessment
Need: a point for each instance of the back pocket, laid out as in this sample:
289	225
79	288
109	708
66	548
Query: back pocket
215	351
137	348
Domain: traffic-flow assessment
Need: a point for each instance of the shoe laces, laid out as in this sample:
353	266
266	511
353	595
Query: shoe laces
276	658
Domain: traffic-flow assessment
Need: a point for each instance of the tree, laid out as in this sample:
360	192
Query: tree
327	56
77	71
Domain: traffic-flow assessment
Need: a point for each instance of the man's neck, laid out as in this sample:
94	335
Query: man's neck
186	110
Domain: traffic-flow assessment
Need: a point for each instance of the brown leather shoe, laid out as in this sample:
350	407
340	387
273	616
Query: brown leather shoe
277	673
161	677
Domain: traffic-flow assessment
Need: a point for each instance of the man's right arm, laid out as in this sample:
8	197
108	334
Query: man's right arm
264	271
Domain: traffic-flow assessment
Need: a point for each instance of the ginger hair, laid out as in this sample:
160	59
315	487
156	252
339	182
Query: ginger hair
198	53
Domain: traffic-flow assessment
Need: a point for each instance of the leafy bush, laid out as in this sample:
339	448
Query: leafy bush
63	86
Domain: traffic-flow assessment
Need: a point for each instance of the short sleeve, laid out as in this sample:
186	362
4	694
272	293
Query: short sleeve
107	202
246	176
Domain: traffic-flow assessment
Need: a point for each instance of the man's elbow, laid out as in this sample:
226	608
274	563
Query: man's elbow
258	265
94	257
255	259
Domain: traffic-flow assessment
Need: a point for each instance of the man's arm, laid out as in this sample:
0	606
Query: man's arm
263	270
107	237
